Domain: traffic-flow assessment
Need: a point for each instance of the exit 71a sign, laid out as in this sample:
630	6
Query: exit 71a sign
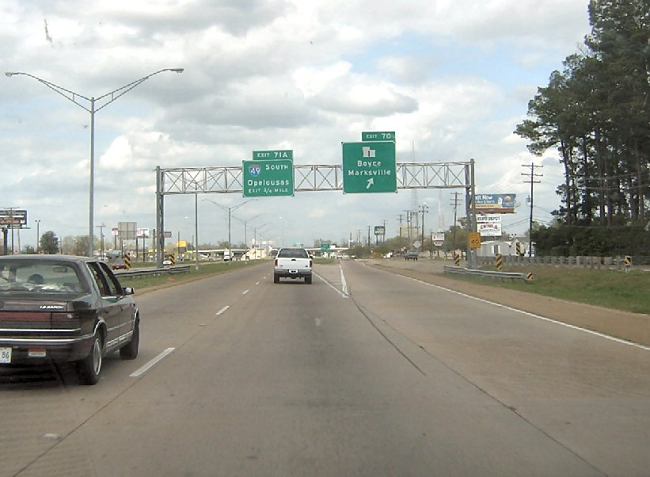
267	155
369	167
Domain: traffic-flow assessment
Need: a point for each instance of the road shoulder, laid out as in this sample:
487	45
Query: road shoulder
633	327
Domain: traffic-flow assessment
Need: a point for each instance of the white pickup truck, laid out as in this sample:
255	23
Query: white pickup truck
292	263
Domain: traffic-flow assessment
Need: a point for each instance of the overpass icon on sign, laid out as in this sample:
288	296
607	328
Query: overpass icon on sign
367	152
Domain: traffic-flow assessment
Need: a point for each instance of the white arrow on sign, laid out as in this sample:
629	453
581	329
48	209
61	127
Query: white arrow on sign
371	181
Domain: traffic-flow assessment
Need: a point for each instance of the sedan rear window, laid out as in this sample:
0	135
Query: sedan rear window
39	277
293	253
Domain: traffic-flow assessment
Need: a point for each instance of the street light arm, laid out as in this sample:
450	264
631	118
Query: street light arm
121	91
66	93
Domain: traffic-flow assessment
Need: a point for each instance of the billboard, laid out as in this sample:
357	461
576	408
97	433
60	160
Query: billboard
380	230
127	230
495	203
489	225
438	238
13	218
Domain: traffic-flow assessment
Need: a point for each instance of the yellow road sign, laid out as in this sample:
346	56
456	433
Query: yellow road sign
474	240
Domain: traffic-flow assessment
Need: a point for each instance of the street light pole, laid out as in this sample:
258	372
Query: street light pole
38	233
92	109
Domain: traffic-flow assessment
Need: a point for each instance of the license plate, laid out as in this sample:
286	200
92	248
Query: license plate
5	355
293	271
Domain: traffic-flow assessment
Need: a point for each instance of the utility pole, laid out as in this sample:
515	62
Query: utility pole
400	217
531	175
369	226
455	205
424	209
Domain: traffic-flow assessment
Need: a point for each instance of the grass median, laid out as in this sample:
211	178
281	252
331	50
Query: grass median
608	288
207	269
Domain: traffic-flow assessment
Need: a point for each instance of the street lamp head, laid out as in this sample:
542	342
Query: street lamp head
177	70
10	73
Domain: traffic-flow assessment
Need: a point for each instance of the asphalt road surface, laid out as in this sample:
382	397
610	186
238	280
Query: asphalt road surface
361	373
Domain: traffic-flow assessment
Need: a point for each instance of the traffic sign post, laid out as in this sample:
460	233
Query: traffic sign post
267	178
369	167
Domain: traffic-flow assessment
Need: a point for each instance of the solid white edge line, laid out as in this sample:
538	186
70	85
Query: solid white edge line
532	315
140	371
223	310
344	284
331	286
244	292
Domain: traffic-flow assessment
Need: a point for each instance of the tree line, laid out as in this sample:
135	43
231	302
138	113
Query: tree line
595	112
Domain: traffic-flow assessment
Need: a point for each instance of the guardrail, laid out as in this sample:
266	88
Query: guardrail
154	271
488	273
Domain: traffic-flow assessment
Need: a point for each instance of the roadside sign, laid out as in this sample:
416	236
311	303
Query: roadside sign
267	178
378	136
369	167
168	234
115	231
325	247
269	155
438	239
474	240
380	230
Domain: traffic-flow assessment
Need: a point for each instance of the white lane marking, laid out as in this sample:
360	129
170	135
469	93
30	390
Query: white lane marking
223	310
344	284
139	372
532	315
244	292
331	286
257	283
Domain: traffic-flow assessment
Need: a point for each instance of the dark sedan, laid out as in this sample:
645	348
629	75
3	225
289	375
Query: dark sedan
62	308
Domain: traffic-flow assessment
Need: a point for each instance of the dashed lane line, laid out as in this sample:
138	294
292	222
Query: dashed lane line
223	310
245	291
140	371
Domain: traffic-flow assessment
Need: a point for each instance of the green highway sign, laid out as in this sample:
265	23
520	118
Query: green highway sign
267	178
378	136
369	167
325	247
266	155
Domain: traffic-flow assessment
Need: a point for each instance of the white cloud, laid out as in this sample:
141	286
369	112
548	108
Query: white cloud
260	74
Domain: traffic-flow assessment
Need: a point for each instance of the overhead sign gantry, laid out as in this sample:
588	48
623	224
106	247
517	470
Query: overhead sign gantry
369	166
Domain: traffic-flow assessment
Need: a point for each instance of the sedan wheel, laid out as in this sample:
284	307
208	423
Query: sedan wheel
89	368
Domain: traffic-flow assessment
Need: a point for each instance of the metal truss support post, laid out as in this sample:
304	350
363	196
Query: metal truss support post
160	218
470	209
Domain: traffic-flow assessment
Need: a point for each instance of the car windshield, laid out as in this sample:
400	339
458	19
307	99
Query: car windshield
293	253
39	277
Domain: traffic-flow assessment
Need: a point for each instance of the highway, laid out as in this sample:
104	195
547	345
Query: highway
364	372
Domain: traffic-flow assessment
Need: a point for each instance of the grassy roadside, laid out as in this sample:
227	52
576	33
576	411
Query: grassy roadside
205	270
609	289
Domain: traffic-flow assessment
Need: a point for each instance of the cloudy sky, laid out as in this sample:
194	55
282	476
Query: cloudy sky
451	77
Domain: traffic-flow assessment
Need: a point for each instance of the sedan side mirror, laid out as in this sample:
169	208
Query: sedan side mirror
129	291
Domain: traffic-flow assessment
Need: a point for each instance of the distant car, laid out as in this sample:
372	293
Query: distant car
167	263
65	309
292	263
411	255
118	266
